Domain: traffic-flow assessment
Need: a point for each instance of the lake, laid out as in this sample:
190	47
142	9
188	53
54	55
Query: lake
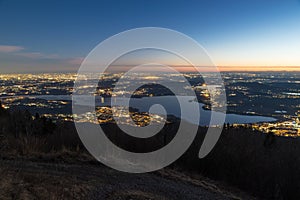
171	105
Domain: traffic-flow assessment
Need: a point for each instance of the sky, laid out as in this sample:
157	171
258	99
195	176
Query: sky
55	36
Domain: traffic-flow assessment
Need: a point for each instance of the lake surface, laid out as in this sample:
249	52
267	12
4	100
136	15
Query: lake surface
171	107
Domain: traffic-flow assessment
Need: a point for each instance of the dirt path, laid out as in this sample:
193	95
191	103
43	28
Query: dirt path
23	179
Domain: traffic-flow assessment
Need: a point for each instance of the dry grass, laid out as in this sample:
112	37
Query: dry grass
17	182
136	195
24	185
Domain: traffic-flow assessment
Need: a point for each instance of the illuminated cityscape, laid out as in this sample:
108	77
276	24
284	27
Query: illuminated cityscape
253	94
156	100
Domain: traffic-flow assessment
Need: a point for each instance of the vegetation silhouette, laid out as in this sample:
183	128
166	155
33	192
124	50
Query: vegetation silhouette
265	166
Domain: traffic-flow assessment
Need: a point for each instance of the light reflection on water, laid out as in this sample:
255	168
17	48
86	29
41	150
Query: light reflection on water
170	104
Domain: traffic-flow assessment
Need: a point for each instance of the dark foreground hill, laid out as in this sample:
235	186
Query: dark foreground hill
34	149
41	179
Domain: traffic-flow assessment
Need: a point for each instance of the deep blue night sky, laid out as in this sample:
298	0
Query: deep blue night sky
44	34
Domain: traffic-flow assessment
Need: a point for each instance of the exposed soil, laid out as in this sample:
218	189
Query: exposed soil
39	179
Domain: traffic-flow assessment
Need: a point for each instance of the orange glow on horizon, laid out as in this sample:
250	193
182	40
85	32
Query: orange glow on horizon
239	68
259	68
189	68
